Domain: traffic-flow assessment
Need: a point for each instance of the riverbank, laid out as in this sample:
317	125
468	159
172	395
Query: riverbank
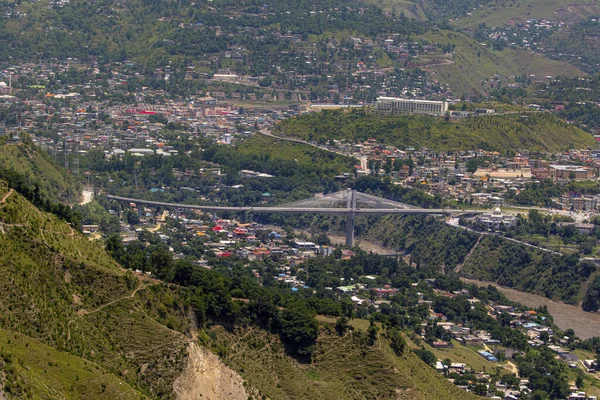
585	324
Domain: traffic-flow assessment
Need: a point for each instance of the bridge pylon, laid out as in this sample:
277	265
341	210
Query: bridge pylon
350	214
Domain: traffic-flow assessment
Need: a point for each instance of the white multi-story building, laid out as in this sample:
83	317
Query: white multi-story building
396	105
496	220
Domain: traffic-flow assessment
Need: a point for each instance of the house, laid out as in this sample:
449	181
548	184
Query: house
472	341
589	365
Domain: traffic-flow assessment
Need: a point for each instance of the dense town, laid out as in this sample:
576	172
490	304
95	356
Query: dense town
76	110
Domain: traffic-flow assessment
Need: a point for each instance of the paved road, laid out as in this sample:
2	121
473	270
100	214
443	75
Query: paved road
297	210
362	159
454	222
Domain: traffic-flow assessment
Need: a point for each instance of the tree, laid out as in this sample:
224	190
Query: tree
341	325
480	389
161	262
114	247
132	217
397	341
510	380
265	82
427	356
472	165
347	307
591	299
299	329
372	331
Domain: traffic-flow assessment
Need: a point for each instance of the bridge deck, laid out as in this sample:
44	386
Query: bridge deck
298	210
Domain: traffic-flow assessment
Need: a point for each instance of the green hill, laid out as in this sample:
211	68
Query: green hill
343	368
64	291
500	12
530	270
474	65
410	8
36	167
33	370
532	131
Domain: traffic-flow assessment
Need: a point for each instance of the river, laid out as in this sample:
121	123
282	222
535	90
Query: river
585	324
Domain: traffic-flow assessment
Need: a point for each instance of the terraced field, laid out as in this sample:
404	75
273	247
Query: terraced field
342	368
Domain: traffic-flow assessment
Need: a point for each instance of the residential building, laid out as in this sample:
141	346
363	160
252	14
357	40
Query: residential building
397	105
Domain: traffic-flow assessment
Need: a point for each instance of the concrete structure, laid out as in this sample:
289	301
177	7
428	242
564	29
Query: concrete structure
571	172
397	105
496	220
350	211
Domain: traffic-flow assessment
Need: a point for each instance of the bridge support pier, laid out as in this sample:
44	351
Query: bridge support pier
351	207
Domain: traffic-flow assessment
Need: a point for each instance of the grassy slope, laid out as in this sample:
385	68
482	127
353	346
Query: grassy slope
38	167
537	132
61	289
261	146
474	64
409	8
343	368
34	370
502	13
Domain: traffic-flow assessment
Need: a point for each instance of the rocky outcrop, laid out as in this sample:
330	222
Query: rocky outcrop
207	377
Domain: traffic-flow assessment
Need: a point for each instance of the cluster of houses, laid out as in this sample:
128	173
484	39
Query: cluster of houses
448	174
533	326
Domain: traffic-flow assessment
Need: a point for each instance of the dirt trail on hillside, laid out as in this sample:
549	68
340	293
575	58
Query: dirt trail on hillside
206	377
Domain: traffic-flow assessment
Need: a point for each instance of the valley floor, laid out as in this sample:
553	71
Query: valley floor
585	324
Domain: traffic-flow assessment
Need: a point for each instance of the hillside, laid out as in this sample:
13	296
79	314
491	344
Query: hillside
410	8
37	168
533	131
500	12
74	325
35	370
66	292
516	266
578	45
306	157
473	66
343	368
130	30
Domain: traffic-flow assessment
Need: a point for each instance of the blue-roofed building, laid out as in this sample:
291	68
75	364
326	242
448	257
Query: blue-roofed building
488	356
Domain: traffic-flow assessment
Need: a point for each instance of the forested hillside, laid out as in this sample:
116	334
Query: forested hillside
75	325
36	169
153	30
532	131
273	41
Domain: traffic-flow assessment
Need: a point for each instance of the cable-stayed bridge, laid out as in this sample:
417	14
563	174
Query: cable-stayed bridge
346	202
